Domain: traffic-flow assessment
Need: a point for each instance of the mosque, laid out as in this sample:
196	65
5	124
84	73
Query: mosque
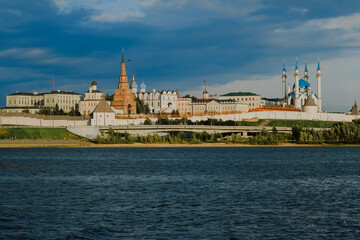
301	95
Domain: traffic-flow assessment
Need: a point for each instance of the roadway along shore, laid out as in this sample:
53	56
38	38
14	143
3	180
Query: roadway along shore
85	144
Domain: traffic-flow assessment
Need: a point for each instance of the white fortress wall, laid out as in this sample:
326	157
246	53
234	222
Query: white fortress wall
68	121
38	122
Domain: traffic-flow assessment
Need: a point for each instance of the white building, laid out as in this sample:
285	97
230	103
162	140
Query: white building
164	101
206	106
91	100
184	105
103	115
253	100
32	102
66	100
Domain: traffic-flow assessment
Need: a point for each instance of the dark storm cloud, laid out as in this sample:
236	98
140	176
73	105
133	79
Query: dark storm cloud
168	41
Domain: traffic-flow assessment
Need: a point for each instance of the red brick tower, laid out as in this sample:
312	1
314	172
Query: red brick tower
123	97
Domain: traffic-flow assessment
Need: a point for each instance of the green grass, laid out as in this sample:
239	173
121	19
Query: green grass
303	123
36	133
248	123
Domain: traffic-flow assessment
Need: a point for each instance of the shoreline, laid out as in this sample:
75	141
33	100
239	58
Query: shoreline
84	144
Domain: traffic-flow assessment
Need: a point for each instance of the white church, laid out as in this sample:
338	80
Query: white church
302	95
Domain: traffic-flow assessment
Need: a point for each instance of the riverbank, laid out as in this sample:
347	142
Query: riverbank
85	144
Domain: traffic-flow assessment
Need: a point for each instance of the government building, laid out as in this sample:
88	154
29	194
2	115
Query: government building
33	102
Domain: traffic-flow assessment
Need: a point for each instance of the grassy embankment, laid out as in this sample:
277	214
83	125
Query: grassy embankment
36	133
303	123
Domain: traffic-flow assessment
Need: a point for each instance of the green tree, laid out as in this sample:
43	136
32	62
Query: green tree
147	121
296	132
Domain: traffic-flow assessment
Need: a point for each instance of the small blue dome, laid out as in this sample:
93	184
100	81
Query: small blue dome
142	85
134	85
303	84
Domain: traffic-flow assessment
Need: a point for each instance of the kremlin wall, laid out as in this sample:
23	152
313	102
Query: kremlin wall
298	102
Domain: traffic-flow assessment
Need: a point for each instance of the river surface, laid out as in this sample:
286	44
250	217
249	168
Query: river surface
180	193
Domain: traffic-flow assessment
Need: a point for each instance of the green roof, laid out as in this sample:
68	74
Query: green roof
273	99
233	94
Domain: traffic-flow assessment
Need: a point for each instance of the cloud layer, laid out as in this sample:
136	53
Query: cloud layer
176	44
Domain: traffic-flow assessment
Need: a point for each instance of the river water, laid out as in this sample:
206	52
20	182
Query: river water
180	193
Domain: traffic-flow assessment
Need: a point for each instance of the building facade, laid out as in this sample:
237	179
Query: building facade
103	115
32	102
184	105
211	106
124	101
66	100
91	100
251	99
164	101
22	99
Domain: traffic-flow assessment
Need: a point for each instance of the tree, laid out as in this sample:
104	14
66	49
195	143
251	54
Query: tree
141	107
296	132
26	110
109	97
193	98
56	110
147	121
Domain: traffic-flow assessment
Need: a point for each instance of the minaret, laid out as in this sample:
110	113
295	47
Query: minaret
284	81
306	77
318	77
296	75
205	93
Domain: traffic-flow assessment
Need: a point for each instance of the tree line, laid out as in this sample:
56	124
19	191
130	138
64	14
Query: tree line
339	133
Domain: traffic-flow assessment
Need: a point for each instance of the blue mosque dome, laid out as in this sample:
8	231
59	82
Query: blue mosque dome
142	85
303	84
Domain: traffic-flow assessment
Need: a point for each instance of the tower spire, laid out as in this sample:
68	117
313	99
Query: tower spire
205	93
318	68
296	75
122	61
284	68
123	68
284	81
306	77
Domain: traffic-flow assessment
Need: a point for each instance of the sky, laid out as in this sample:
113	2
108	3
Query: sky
233	45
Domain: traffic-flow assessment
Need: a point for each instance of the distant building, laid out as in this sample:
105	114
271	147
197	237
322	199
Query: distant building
310	106
123	102
66	100
103	115
209	106
32	102
272	101
91	100
184	105
164	101
354	110
251	99
301	89
22	101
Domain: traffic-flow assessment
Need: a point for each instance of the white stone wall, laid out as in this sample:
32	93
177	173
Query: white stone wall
260	115
28	121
